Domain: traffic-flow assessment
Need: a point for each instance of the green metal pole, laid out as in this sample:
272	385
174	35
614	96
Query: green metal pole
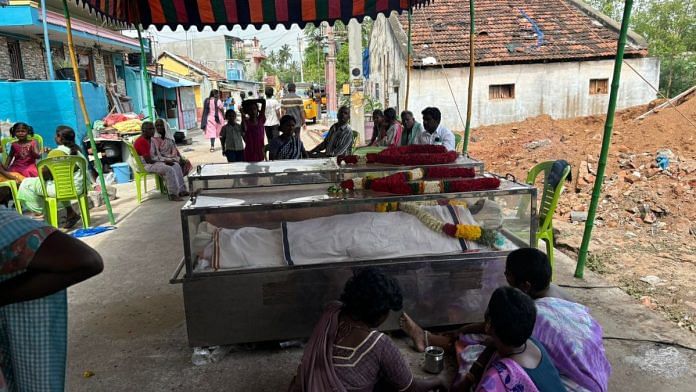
85	115
606	141
147	85
472	61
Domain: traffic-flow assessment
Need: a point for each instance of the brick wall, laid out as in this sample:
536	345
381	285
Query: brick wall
5	71
33	59
99	72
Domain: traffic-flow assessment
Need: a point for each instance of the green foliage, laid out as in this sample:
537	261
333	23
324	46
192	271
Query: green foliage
279	64
670	28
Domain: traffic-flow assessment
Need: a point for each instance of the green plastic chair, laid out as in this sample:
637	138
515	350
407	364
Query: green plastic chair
547	205
140	174
356	137
13	189
62	170
56	153
362	151
457	141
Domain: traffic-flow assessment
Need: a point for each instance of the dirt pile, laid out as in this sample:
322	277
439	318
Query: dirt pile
646	219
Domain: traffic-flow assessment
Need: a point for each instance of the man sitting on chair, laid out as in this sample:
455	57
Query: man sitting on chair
339	141
168	168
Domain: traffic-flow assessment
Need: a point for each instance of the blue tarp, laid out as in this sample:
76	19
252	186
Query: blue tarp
171	83
366	63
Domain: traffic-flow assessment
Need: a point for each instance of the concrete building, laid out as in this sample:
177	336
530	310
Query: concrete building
550	57
225	54
184	67
101	52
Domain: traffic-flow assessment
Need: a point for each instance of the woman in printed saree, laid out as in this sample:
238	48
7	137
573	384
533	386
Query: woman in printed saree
571	335
163	146
287	145
37	264
345	351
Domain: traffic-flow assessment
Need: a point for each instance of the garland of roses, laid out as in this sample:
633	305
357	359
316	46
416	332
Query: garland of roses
401	184
405	155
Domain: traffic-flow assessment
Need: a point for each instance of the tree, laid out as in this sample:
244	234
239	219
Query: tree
669	26
284	55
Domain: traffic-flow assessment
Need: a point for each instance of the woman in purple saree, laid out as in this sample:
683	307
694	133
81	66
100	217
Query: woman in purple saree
345	351
571	335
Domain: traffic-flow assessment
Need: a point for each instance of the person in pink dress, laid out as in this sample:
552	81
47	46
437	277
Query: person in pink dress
24	152
253	121
213	117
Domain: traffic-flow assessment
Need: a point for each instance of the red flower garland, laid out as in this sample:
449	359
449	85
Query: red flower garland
348	185
470	185
449	172
348	159
396	183
413	155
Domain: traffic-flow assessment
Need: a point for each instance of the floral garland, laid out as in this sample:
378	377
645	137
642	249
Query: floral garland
403	183
449	172
467	232
404	155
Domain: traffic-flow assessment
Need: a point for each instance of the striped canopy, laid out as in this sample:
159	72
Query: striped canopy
215	13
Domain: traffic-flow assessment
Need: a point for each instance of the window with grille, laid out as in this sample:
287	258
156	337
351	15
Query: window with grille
501	91
15	53
599	86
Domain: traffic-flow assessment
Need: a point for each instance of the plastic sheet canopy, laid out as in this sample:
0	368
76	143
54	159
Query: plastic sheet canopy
216	13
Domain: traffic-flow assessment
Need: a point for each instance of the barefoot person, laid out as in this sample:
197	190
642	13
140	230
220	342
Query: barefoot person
346	352
572	336
168	168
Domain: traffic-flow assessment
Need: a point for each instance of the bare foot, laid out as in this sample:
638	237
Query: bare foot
174	198
414	331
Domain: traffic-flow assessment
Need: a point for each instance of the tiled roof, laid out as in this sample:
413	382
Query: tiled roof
511	31
212	74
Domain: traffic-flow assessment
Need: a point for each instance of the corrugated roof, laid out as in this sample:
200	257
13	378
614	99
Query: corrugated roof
513	31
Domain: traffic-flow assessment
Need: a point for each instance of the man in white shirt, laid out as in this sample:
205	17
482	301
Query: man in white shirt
272	115
434	133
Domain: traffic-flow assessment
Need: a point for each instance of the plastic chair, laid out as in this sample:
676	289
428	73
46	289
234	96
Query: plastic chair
13	189
362	151
547	205
457	141
62	170
56	153
140	174
356	137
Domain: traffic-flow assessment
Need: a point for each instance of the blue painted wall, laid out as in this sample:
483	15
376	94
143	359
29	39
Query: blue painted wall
47	104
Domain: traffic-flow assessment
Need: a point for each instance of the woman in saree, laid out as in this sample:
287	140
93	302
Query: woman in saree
392	137
572	336
163	147
286	145
37	264
346	352
31	191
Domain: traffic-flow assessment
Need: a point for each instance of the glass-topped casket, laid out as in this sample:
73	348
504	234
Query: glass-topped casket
260	263
301	171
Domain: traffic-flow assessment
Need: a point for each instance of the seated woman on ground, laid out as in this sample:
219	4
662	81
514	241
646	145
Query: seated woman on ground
513	360
31	192
164	147
571	335
346	352
286	145
24	152
170	170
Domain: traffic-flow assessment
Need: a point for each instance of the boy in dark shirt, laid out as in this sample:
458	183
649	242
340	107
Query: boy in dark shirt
231	137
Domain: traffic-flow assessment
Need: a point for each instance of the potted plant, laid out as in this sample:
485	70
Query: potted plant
64	71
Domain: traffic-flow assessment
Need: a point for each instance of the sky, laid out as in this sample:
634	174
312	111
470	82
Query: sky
270	39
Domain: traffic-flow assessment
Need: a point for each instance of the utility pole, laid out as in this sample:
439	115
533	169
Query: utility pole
357	83
299	47
330	87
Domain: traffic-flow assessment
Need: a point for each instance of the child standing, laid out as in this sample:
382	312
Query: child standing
24	152
231	138
253	122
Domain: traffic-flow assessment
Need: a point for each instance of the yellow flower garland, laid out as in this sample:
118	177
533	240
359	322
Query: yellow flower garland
466	232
